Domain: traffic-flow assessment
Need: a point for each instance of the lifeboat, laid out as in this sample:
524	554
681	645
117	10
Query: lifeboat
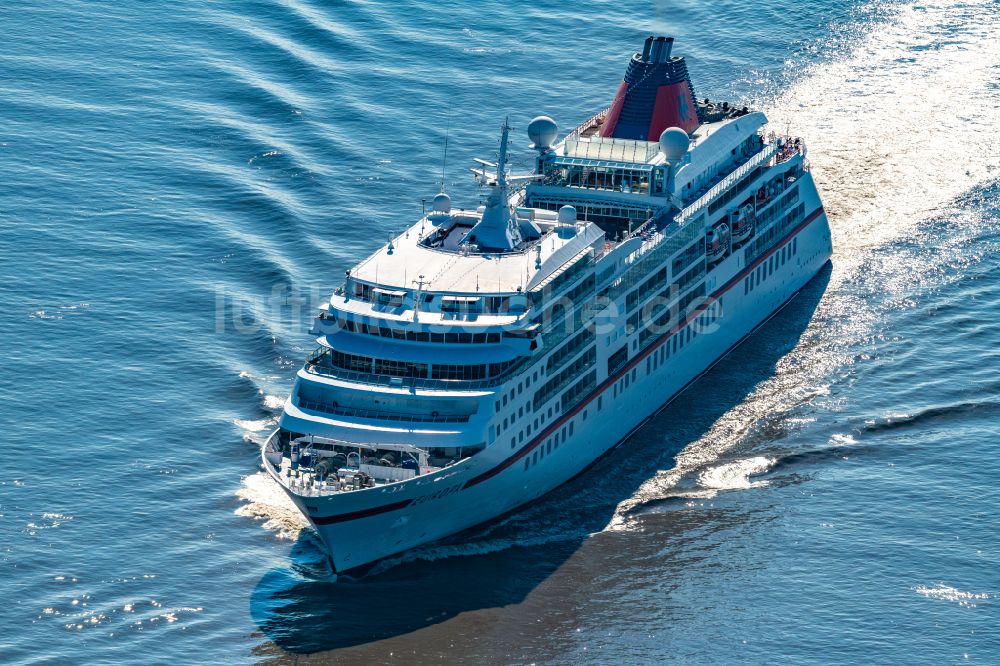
717	242
742	223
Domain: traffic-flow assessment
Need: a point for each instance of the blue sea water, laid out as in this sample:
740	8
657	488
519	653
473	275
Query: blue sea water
182	183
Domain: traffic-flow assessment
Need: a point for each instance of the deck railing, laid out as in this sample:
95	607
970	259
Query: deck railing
340	410
413	382
705	199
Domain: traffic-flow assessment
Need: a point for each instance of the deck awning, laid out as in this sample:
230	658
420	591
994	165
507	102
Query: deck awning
391	293
601	164
381	446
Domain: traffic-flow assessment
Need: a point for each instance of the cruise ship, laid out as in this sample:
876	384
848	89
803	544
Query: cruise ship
486	355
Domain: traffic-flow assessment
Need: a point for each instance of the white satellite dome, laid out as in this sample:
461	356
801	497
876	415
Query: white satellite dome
441	203
674	143
542	131
567	215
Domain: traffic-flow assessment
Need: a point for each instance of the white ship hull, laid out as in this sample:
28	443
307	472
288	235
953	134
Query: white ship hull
362	527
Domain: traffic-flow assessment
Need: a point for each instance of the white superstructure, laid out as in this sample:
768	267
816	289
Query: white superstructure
485	356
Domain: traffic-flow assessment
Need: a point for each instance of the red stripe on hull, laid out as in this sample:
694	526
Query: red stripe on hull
634	362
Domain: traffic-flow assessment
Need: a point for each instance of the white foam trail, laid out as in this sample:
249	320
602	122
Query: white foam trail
254	425
273	402
898	126
904	124
266	501
942	591
735	475
842	439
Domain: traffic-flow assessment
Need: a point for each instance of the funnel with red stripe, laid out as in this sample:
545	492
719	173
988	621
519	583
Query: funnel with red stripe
655	94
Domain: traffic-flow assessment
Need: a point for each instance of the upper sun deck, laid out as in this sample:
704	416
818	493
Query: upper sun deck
429	256
440	254
710	141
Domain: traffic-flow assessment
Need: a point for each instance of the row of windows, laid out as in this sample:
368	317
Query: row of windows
562	354
569	276
417	336
660	324
692	252
488	304
701	324
556	324
771	234
652	283
587	383
585	285
654	257
777	260
677	342
773	208
731	193
546	447
564	376
533	426
711	314
331	358
616	179
624	382
617	360
694	273
578	390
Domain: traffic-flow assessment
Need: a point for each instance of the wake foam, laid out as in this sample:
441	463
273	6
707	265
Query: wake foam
267	502
899	123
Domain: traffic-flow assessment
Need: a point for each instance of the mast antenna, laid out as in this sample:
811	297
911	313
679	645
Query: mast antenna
444	161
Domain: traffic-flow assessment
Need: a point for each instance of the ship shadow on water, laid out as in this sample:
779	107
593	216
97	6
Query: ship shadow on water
301	612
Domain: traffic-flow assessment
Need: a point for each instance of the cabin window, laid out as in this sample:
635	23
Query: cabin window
393	299
363	291
462	305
